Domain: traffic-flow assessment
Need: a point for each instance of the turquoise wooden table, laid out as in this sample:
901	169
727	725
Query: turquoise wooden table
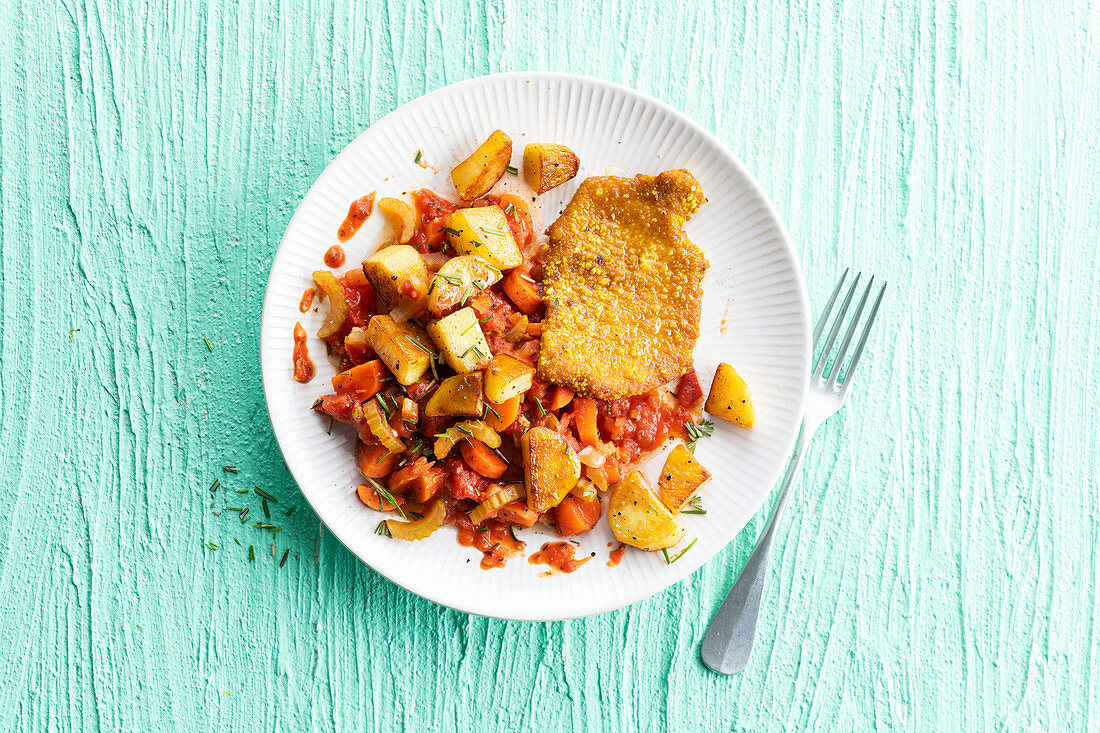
939	567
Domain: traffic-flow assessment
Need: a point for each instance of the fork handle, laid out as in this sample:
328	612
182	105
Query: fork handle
728	641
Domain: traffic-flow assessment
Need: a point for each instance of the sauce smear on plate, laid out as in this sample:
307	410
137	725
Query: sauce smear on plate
559	556
358	212
303	365
335	256
496	543
616	556
307	300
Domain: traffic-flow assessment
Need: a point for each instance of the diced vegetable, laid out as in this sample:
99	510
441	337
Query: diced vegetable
729	397
681	478
483	460
575	515
486	509
502	415
584	417
518	211
401	215
465	429
518	514
376	422
399	278
459	395
551	468
460	338
477	174
638	518
459	279
507	377
546	165
337	303
362	380
434	514
369	496
429	484
403	347
408	477
483	231
523	291
560	397
375	460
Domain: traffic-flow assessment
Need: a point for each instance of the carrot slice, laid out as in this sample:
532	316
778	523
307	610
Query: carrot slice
370	497
523	292
375	461
560	397
482	459
507	411
364	380
408	477
429	484
584	417
611	470
577	515
518	513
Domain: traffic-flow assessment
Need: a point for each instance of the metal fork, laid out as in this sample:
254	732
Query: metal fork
728	642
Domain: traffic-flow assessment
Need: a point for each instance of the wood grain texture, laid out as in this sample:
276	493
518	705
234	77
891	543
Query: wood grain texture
938	568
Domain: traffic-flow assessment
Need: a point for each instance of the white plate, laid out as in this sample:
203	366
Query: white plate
755	316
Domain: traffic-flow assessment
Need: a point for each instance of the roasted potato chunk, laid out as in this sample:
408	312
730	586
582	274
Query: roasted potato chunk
550	468
400	280
474	176
729	397
546	165
638	518
459	395
459	278
403	347
402	215
484	232
461	340
507	377
681	478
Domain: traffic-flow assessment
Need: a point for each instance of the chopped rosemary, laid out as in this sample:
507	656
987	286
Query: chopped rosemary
209	346
485	319
385	495
383	457
431	287
242	491
512	527
267	512
467	329
264	494
509	210
329	431
383	529
211	545
695	432
696	505
680	554
419	155
232	508
229	469
317	403
252	553
482	529
244	515
477	243
216	485
464	431
465	296
237	540
380	400
419	345
492	409
513	170
290	510
574	542
538	403
491	230
452	232
449	279
283	561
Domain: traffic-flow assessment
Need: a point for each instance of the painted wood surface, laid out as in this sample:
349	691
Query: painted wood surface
938	570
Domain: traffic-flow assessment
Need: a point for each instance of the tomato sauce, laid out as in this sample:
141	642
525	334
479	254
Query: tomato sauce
558	556
495	542
616	556
334	257
358	213
307	300
303	365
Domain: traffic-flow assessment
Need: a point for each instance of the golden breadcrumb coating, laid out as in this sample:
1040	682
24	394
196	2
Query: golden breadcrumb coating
623	285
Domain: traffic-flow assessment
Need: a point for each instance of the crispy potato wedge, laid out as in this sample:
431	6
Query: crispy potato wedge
477	174
459	395
638	518
681	478
507	377
400	280
402	215
547	165
459	278
550	468
729	397
460	338
483	231
403	347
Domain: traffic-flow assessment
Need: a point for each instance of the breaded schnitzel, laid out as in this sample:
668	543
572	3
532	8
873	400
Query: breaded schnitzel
623	285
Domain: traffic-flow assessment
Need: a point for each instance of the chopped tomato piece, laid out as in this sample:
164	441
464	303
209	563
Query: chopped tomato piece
689	391
466	483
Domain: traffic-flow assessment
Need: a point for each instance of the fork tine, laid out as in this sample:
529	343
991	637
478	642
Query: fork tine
829	306
824	358
834	372
863	338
